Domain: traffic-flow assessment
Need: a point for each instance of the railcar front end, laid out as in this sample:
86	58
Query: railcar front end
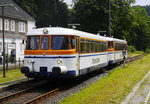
50	56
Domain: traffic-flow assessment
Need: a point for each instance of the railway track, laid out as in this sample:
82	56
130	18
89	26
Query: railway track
47	96
30	96
130	59
9	98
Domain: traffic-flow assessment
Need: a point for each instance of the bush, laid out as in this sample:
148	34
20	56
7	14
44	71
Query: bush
147	50
131	49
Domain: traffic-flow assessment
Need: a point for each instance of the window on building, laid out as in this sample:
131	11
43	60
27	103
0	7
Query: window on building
12	25
1	23
6	24
19	27
22	27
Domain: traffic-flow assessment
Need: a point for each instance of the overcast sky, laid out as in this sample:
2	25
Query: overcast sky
141	2
138	2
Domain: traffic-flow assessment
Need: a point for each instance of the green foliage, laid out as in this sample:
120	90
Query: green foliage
147	7
140	29
92	15
46	12
139	52
131	49
121	18
147	50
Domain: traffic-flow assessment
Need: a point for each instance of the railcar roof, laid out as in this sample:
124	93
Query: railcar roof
65	31
116	40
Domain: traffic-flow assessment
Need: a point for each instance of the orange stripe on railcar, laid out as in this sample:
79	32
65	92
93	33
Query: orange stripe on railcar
50	52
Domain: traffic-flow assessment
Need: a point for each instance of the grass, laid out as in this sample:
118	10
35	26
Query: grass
11	75
135	53
113	88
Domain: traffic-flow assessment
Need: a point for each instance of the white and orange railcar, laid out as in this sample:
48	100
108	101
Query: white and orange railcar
56	52
117	50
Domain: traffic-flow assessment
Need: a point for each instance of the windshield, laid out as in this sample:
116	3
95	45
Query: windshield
45	41
33	42
60	43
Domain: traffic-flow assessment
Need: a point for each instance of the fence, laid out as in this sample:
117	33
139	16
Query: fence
10	65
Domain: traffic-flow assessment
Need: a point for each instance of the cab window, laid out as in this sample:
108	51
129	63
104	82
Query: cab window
33	42
60	43
45	43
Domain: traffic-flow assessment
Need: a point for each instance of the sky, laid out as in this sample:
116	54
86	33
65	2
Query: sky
68	2
138	2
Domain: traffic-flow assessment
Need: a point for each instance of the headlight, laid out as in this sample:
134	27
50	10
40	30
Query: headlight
59	61
29	61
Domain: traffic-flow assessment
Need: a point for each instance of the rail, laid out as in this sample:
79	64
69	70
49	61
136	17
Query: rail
44	96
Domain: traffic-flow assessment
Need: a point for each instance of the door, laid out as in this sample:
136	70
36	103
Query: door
77	55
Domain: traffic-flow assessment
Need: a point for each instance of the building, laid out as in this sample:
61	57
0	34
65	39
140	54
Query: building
16	24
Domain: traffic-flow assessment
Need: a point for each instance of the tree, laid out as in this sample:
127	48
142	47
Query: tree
140	27
46	12
121	18
147	9
28	5
92	15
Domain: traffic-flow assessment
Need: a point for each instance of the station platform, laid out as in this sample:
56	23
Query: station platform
140	93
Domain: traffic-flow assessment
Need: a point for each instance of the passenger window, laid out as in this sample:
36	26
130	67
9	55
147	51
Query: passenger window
92	46
96	46
87	46
82	45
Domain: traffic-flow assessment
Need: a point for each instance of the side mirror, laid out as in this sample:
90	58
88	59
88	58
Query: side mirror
24	41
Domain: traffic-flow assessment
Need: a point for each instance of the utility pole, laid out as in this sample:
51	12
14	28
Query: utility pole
3	35
3	53
110	18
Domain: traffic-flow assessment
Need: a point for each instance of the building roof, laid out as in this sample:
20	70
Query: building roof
13	13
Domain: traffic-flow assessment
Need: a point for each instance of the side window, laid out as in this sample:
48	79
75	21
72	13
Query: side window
102	46
82	46
96	47
92	46
87	46
105	46
73	42
99	46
